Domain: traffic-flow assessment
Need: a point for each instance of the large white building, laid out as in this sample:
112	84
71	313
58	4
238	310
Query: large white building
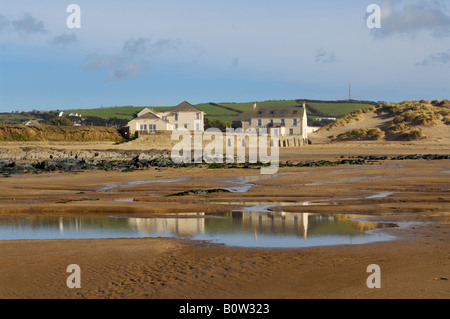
280	120
182	116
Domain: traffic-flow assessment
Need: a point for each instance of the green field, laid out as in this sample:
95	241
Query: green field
210	109
122	112
127	112
229	110
247	106
337	109
13	116
223	118
214	111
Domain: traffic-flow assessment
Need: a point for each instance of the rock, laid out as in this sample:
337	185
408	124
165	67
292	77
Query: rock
4	163
161	162
47	165
25	167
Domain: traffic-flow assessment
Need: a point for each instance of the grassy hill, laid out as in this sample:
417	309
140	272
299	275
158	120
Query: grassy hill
225	111
214	111
336	109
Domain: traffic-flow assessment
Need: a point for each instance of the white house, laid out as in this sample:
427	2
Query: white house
184	115
281	120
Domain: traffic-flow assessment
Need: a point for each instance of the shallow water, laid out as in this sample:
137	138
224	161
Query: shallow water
108	187
244	229
352	180
246	182
267	206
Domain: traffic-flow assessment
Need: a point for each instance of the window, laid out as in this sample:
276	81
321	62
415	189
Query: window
282	121
271	121
176	116
197	126
294	122
295	112
291	131
176	126
164	118
152	128
143	127
185	125
197	116
259	122
275	132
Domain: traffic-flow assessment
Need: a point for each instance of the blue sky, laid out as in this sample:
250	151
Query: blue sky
160	53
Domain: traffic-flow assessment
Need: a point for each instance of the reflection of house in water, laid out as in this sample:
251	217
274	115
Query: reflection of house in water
276	222
70	224
306	224
188	224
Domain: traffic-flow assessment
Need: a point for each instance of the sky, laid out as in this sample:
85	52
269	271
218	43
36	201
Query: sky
160	53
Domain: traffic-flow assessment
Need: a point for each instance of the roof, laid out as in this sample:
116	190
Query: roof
146	110
185	107
271	112
245	116
148	115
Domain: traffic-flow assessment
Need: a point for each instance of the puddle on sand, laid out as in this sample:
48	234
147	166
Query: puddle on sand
244	229
351	180
246	182
108	187
267	206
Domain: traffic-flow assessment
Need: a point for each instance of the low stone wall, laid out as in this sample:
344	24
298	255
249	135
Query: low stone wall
164	140
292	141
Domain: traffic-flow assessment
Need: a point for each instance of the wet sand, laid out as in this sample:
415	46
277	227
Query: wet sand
416	265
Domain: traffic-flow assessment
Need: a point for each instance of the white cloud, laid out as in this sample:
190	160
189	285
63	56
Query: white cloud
95	62
133	60
324	56
440	58
64	39
128	70
28	25
4	22
146	46
430	17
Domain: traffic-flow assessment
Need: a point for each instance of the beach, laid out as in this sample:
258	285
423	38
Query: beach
410	193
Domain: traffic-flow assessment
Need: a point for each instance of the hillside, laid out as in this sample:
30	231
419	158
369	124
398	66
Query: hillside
22	133
225	111
406	121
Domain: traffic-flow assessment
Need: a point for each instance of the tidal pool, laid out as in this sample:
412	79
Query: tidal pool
243	229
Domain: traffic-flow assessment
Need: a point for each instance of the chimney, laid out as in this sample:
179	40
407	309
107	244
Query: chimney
254	105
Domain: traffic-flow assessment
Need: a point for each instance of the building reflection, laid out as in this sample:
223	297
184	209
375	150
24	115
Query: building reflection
188	224
253	224
191	224
276	222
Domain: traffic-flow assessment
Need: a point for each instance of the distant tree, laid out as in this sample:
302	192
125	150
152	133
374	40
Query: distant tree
216	124
60	121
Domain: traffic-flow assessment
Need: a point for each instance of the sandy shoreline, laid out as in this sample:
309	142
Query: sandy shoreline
416	265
